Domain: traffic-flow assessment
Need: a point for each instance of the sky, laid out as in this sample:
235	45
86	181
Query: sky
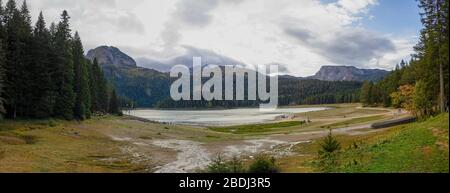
299	35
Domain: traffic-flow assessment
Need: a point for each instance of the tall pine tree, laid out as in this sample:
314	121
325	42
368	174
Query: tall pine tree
432	51
64	71
2	71
114	104
100	102
17	44
43	94
81	82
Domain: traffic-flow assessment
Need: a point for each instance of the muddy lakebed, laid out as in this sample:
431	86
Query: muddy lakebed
180	154
228	117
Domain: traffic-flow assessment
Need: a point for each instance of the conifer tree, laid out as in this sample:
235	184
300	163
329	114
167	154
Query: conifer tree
2	71
17	44
43	96
100	102
81	81
64	78
114	104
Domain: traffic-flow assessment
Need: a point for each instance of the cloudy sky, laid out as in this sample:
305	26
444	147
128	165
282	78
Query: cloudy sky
301	35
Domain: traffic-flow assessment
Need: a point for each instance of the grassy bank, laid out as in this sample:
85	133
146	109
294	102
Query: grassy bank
418	147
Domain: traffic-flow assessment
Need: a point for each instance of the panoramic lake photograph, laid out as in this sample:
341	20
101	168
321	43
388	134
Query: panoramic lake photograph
215	87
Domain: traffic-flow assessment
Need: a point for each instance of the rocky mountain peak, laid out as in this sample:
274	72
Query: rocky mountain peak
111	56
349	73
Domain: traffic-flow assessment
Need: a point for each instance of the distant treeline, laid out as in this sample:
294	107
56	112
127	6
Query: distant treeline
292	91
43	71
421	85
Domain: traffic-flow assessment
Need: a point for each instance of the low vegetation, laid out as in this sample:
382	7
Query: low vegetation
260	164
257	128
416	147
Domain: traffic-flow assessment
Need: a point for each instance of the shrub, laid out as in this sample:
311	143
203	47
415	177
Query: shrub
263	164
220	165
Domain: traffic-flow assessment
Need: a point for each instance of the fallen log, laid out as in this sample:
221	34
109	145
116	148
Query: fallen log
394	122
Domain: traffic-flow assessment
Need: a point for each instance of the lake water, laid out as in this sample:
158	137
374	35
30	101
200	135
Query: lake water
218	117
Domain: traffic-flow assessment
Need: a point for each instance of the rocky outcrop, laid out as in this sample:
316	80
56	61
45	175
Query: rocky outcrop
349	73
111	56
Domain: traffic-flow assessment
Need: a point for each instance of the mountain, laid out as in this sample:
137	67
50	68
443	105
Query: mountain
348	73
151	88
108	55
142	85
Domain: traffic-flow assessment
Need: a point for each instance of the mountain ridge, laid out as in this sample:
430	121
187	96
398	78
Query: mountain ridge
151	88
348	73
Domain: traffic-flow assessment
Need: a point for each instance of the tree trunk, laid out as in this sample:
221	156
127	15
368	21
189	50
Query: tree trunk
441	94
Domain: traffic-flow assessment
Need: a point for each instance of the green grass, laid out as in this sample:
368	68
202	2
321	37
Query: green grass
417	147
355	121
256	128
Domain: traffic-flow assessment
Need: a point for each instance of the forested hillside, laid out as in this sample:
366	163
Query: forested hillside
292	91
43	71
421	85
150	88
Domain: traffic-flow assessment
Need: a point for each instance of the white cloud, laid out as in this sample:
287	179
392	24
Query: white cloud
252	32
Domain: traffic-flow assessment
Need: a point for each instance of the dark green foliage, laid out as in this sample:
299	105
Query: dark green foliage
99	90
16	44
42	67
145	87
2	64
43	72
114	104
64	71
81	83
292	91
263	164
330	144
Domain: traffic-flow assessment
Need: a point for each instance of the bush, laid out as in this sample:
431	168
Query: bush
263	164
220	165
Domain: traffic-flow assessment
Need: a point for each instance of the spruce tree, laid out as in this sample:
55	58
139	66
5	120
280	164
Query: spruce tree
64	78
81	81
43	95
17	44
114	104
432	51
2	22
100	102
2	71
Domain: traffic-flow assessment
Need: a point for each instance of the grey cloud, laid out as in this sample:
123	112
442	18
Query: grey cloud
93	13
188	13
129	22
195	12
282	68
352	46
299	33
208	57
